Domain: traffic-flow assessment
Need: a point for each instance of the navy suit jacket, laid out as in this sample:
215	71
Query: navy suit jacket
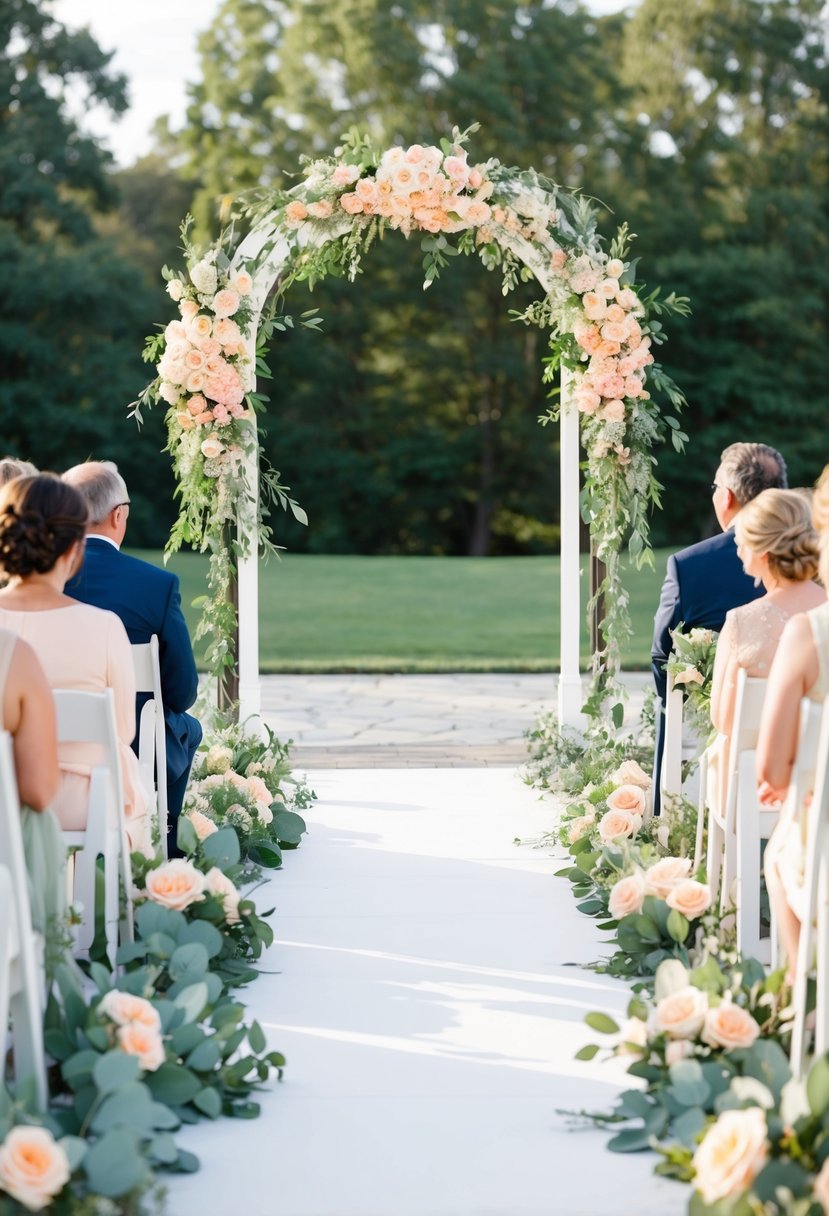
148	601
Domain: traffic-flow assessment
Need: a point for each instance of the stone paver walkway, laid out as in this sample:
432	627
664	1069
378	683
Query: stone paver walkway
412	721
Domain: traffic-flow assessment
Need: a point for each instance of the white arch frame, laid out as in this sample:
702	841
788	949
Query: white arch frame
267	253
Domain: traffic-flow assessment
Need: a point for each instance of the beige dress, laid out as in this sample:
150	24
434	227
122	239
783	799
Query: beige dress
787	845
87	649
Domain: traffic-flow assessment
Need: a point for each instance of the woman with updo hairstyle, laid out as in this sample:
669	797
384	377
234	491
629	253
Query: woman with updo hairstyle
11	467
800	669
42	528
778	546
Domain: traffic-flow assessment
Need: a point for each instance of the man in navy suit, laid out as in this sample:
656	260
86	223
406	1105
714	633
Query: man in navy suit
148	601
707	580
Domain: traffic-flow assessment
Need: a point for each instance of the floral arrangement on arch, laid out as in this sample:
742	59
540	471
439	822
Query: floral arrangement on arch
602	330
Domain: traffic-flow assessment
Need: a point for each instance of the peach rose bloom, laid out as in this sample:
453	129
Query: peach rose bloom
820	1187
176	331
296	212
608	288
33	1167
203	826
212	447
616	314
227	333
188	310
690	898
676	1050
666	874
204	418
225	303
195	382
217	883
614	332
366	190
629	798
321	209
681	1015
613	411
144	1043
732	1154
123	1008
194	360
185	422
587	401
633	387
630	772
199	328
479	213
242	283
615	268
627	896
344	175
175	884
729	1026
626	298
258	790
594	306
616	825
608	348
576	828
689	676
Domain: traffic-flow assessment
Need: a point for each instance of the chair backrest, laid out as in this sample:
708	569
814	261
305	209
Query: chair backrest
803	771
31	980
152	740
748	710
670	779
89	717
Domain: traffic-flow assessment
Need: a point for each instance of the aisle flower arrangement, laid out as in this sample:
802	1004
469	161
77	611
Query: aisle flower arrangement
707	1030
603	329
691	665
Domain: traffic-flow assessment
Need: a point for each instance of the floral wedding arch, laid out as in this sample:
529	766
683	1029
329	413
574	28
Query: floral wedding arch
602	331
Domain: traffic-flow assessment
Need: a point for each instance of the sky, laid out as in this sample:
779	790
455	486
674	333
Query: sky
155	47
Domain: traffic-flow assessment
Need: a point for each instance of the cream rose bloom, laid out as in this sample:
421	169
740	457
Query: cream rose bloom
203	276
576	828
264	813
212	447
123	1008
633	1038
689	897
666	874
615	825
681	1015
202	825
676	1050
820	1187
689	676
225	303
175	884
732	1154
729	1026
242	283
627	896
175	289
33	1167
631	773
217	883
629	798
144	1043
218	759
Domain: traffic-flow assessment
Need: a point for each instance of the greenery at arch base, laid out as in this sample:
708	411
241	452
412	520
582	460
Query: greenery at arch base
602	328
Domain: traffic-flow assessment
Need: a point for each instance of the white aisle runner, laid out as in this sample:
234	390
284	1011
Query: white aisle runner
429	1020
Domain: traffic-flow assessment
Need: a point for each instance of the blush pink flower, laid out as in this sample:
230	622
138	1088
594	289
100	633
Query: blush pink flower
225	303
613	411
295	213
351	203
344	175
321	209
225	386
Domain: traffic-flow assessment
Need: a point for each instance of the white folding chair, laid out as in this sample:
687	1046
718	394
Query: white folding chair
21	977
89	717
152	742
735	831
670	779
814	928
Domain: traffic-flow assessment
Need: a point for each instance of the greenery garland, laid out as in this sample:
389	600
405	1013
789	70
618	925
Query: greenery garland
602	330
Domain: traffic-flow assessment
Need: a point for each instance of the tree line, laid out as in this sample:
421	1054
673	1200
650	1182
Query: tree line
410	424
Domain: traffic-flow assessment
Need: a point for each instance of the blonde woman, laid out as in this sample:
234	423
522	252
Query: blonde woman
800	669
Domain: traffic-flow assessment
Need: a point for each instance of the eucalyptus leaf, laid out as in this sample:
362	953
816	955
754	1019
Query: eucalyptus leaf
114	1165
114	1070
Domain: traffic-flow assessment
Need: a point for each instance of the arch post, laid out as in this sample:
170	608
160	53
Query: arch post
570	694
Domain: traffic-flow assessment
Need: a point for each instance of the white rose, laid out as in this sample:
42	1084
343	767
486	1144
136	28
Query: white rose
204	278
212	447
576	828
632	1038
264	813
175	289
218	759
170	393
732	1154
631	773
681	1015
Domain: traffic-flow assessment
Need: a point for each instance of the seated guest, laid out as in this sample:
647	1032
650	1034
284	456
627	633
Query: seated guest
800	669
148	601
42	526
28	714
705	580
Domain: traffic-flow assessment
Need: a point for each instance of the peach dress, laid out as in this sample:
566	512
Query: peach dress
87	649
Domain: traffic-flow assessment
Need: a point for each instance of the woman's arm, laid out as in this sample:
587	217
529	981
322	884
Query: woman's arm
724	680
793	672
29	716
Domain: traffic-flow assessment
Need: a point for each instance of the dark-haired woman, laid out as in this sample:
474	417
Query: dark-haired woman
42	529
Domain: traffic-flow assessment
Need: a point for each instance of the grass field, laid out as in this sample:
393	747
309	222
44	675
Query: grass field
417	613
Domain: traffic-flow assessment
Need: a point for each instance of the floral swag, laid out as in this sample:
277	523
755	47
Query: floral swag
602	335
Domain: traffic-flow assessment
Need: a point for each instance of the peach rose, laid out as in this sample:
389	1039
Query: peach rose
608	288
476	179
614	332
627	896
344	175
194	360
690	898
681	1014
732	1154
258	790
242	283
175	884
594	306
628	798
176	331
33	1167
576	828
366	190
613	411
689	676
351	203
295	213
615	268
321	209
225	303
587	401
631	773
729	1026
144	1043
217	883
627	299
185	421
199	328
666	874
188	310
123	1008
615	825
676	1050
195	382
203	826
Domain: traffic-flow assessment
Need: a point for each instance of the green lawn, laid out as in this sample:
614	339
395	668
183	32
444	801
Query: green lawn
416	613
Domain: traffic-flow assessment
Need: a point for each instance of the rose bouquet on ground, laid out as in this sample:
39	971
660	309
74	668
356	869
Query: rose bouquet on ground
691	664
244	782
